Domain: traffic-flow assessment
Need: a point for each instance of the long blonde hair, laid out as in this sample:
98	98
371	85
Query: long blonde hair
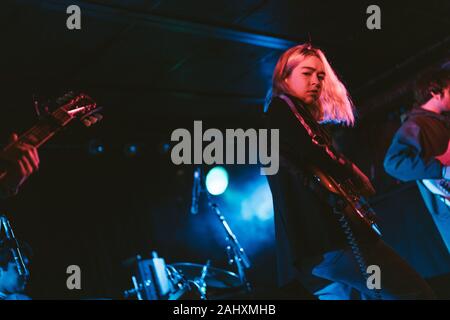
334	104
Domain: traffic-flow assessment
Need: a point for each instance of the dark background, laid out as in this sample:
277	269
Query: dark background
158	65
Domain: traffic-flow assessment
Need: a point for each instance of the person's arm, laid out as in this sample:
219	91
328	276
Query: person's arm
17	162
404	158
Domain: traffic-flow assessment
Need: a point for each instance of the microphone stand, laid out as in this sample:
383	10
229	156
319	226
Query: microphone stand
14	246
235	251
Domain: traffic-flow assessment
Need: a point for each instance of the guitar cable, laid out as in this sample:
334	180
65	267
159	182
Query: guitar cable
354	246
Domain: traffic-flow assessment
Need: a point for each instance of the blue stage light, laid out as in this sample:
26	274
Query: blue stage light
217	181
258	203
132	149
96	147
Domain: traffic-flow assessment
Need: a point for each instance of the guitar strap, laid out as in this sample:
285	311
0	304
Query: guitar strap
321	192
315	138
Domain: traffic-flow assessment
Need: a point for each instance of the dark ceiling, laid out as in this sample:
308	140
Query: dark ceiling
208	58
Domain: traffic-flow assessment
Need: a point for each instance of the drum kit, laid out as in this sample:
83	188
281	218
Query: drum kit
153	279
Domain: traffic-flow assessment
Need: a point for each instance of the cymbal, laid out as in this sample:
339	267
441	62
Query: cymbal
215	277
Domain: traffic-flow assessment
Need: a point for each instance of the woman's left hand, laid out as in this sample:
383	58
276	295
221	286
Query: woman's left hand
362	182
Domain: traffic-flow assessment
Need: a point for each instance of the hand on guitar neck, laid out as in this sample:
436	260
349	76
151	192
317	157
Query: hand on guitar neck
441	187
17	162
445	157
361	182
445	160
20	158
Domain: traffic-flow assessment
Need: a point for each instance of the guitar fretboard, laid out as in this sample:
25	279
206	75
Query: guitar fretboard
45	128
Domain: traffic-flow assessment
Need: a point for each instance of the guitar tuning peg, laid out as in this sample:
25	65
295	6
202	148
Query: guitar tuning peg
69	96
87	122
36	106
63	99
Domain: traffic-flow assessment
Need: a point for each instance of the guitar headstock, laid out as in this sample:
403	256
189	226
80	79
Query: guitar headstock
58	114
79	106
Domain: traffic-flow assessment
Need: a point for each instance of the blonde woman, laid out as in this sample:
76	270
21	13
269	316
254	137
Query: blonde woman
312	248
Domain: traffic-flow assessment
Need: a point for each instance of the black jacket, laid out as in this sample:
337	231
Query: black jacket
305	226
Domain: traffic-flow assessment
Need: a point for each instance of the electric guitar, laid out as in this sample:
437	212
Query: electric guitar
66	109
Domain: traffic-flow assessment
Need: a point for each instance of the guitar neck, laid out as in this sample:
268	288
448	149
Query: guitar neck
46	128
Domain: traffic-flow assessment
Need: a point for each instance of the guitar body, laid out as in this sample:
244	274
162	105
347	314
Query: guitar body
440	187
356	208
